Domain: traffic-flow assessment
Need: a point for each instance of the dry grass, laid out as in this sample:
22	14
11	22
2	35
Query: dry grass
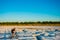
30	24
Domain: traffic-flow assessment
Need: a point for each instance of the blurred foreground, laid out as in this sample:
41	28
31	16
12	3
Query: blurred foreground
30	33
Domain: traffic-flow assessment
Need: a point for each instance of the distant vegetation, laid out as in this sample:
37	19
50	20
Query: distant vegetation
45	22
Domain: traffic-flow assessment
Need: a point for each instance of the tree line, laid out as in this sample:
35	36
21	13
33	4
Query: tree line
38	22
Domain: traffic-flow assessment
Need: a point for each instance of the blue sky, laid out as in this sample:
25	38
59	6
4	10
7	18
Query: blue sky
29	10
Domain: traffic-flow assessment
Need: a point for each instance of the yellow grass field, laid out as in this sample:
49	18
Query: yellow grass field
20	27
